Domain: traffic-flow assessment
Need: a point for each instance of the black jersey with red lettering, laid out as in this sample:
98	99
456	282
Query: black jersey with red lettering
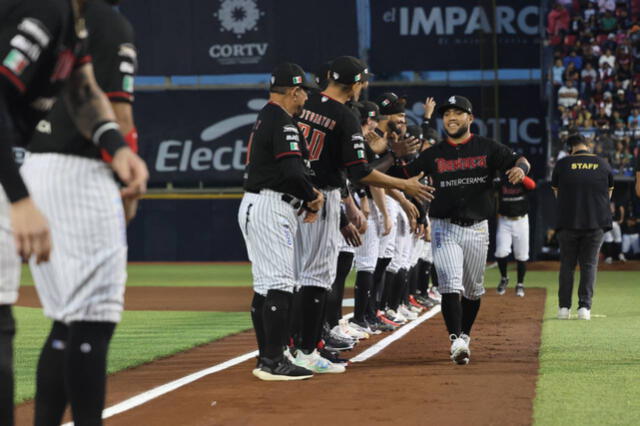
463	176
513	198
335	141
41	43
275	136
114	63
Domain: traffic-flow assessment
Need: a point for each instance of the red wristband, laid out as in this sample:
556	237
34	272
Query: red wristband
528	183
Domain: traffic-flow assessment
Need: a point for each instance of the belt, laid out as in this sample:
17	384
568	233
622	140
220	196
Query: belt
513	217
294	202
464	222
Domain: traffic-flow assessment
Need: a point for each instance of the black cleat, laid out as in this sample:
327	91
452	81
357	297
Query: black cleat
502	286
280	370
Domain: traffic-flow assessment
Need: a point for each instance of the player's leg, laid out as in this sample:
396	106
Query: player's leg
475	244
521	250
607	246
336	294
568	240
588	259
9	282
503	248
316	263
617	242
51	395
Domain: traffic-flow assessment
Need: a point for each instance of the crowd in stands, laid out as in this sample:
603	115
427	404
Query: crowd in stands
596	76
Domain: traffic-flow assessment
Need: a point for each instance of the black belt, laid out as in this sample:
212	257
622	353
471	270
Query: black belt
464	222
294	202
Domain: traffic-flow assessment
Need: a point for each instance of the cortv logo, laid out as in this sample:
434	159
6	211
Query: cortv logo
238	16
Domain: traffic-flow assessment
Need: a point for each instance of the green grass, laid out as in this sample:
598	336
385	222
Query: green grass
589	370
142	336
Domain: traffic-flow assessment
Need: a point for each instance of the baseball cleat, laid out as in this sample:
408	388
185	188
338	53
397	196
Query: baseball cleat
414	302
383	317
502	286
280	370
564	313
407	313
434	294
317	363
460	352
584	314
520	290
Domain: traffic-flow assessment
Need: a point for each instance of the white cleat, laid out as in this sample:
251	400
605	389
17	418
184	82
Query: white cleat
460	352
564	314
409	315
584	314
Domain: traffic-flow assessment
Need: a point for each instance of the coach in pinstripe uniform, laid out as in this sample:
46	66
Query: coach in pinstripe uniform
277	189
462	168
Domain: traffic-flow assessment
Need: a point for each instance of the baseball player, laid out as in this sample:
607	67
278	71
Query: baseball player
336	145
82	286
277	190
462	169
43	53
513	229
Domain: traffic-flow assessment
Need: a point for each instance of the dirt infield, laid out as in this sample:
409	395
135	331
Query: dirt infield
410	382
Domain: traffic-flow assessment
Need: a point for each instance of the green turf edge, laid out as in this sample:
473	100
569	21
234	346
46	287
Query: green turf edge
141	337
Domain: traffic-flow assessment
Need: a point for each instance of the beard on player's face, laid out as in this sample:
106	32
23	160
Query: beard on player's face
462	129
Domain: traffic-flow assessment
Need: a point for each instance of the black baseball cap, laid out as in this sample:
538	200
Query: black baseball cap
390	103
348	70
288	74
432	136
414	131
368	109
458	102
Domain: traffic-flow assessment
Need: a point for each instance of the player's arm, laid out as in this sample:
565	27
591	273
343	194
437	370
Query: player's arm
380	201
95	119
409	208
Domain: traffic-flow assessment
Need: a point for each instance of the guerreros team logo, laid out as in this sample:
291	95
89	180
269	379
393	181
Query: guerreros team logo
238	16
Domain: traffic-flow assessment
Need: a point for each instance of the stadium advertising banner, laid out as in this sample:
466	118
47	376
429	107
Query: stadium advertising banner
445	34
196	136
197	37
520	123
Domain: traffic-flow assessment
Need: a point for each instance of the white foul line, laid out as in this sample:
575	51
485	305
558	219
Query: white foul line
398	334
147	396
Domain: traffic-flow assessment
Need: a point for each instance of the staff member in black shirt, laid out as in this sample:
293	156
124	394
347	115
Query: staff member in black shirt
582	183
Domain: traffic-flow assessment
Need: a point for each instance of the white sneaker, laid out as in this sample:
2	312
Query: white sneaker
409	315
622	258
434	294
460	352
352	332
608	261
584	314
338	332
415	309
396	317
317	363
564	313
520	290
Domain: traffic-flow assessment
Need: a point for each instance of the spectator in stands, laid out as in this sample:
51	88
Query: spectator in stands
558	21
606	74
574	59
588	130
607	58
621	105
608	23
631	238
589	11
557	73
570	72
588	78
606	5
567	95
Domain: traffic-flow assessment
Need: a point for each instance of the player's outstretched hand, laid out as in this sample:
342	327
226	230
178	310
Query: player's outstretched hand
30	231
410	209
405	146
515	175
351	235
415	189
387	225
132	171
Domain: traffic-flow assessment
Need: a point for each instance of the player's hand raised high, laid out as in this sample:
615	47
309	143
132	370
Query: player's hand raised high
132	171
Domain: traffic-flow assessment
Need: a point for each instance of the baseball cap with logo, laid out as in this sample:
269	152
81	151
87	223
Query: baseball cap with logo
390	103
322	75
458	102
348	70
288	74
368	109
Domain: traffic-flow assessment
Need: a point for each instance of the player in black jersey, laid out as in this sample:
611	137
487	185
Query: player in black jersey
462	168
277	190
84	306
336	146
513	229
43	54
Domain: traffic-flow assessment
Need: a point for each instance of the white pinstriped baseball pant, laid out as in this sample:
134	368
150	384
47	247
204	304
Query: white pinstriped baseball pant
460	255
85	277
269	226
9	259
